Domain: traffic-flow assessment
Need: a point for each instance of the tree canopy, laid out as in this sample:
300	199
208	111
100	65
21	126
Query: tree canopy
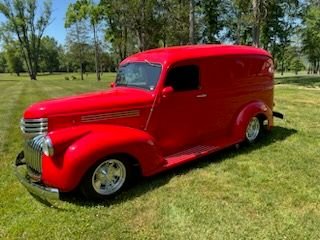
28	27
102	33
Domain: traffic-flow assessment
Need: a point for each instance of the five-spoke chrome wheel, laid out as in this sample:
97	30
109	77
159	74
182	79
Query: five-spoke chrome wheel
109	177
253	129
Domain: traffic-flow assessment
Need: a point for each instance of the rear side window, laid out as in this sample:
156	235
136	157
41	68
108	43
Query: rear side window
183	78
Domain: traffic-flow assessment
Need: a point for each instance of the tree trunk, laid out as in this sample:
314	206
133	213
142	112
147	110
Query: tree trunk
282	67
125	42
256	23
96	53
238	34
80	50
33	76
191	22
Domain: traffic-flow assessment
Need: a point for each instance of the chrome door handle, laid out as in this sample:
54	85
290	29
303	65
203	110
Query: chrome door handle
202	95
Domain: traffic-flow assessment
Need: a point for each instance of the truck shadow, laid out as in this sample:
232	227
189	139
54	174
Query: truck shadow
310	81
147	184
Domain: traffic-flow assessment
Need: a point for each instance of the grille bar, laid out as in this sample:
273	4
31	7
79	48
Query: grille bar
33	152
33	127
34	131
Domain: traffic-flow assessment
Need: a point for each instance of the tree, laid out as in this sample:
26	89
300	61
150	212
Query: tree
3	62
28	26
259	11
65	60
311	36
135	25
13	57
213	21
118	27
81	51
238	24
77	30
49	55
87	10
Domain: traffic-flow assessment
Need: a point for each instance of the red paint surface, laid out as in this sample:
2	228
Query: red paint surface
236	81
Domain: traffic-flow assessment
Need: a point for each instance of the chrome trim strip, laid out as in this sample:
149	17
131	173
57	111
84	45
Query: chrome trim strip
197	150
108	116
34	120
35	124
33	127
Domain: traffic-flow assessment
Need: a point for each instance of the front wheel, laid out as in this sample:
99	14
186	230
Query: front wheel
106	178
253	130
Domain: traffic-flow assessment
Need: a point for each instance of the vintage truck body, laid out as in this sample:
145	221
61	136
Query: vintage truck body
167	106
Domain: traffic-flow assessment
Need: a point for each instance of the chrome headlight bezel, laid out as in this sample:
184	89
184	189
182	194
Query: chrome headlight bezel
47	147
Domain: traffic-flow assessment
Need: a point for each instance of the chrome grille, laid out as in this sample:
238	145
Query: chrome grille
33	127
33	153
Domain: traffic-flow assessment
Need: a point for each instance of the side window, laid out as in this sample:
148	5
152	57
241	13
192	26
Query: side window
183	78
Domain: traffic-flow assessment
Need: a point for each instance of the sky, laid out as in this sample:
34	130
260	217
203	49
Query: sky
56	28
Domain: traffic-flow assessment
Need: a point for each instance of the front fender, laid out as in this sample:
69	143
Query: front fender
66	170
247	112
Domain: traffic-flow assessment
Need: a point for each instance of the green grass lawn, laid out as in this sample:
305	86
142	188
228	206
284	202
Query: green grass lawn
267	191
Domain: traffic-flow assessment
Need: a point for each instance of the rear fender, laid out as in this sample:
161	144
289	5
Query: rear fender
250	110
66	170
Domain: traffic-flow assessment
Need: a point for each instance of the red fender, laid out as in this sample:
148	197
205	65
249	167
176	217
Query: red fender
93	144
250	110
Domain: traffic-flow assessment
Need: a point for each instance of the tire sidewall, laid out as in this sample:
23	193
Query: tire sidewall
87	188
259	133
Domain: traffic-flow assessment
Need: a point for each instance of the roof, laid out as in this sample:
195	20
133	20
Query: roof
175	54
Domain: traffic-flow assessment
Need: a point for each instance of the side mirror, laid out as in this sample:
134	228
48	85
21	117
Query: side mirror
167	91
112	85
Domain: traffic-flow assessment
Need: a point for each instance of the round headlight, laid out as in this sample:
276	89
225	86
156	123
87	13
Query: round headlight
47	147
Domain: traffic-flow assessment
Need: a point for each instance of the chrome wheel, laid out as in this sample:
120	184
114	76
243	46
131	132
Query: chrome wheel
253	129
109	177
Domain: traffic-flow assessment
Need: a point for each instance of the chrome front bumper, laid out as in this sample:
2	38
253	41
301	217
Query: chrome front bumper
33	187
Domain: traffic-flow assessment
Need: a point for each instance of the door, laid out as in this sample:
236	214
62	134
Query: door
176	120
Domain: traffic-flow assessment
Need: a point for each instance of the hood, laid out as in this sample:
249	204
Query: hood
114	99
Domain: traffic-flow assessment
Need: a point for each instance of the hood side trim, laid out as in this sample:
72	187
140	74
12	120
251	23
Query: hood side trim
108	116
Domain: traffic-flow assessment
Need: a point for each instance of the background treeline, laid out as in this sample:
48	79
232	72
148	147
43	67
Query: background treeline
102	33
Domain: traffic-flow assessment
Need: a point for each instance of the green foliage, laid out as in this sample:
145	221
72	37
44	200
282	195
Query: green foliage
28	25
238	25
14	57
213	12
76	16
292	60
49	55
311	36
3	62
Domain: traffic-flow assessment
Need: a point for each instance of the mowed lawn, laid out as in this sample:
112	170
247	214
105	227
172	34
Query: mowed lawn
267	191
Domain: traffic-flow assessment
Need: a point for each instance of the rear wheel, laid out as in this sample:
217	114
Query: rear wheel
253	129
106	178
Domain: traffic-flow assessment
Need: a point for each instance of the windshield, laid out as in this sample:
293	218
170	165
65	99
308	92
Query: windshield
141	75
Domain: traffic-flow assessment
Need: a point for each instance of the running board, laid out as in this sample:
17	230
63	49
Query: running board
189	154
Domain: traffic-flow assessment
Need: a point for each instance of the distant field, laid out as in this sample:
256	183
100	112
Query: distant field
267	191
57	76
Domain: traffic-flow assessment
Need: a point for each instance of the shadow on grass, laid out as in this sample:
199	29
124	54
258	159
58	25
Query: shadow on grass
147	184
310	81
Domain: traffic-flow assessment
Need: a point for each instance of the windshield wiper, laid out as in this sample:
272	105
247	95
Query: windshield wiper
122	84
151	64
